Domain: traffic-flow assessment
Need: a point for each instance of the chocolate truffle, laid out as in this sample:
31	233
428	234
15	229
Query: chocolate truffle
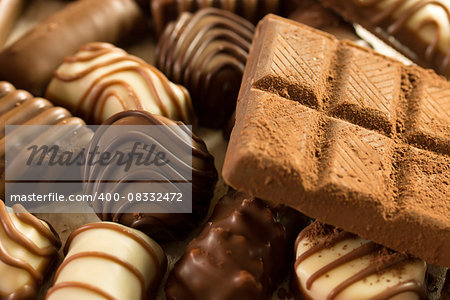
109	261
30	62
206	52
18	107
101	80
333	264
28	248
239	254
180	143
164	11
345	135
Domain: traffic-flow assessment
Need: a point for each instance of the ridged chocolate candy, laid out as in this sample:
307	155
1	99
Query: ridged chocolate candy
101	80
18	107
239	254
206	52
160	226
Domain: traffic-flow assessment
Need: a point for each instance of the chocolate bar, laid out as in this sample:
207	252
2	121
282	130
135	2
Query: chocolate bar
165	11
335	264
101	80
345	135
418	29
206	52
242	249
165	226
110	261
30	62
28	248
9	13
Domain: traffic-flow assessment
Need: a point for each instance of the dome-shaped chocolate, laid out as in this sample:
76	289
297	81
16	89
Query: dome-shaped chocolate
187	154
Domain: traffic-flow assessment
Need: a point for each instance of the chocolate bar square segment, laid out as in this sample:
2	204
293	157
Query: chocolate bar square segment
298	68
369	91
344	135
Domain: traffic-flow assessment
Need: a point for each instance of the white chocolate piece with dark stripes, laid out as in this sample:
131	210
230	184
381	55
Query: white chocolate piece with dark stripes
337	265
28	247
108	261
101	80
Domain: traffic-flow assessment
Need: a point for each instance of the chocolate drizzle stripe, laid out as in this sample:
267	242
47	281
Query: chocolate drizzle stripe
18	263
359	252
14	234
95	86
123	230
341	236
109	257
79	285
31	220
370	270
403	287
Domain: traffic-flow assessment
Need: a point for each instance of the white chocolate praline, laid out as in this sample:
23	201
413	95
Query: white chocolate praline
437	15
108	261
369	287
101	80
26	252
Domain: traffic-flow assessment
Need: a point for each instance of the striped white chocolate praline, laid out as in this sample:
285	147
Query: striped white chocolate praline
101	80
336	265
108	261
28	247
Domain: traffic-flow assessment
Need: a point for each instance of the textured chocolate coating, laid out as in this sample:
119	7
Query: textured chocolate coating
333	264
108	261
241	250
160	226
165	11
206	52
9	13
18	107
347	136
30	62
420	29
101	80
28	248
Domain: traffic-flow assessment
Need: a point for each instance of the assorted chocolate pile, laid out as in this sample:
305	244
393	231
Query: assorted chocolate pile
333	145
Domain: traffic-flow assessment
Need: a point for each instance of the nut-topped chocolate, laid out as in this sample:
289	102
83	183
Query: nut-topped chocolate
240	254
165	11
108	261
420	29
206	52
333	264
101	80
347	136
178	143
30	62
28	248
